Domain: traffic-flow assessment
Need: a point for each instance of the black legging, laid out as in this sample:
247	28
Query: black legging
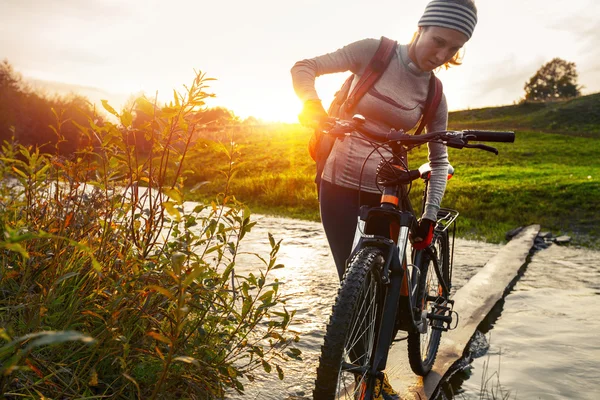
339	212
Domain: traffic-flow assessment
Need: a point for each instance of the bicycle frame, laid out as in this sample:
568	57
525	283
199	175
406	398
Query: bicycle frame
387	227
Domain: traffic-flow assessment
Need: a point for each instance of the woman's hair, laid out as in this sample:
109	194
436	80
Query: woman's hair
457	59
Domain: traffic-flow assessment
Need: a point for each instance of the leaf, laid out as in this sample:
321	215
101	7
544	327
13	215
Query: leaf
66	276
182	123
176	98
266	297
93	314
68	219
34	369
16	247
108	108
258	350
19	172
196	272
294	353
129	378
93	378
227	271
159	337
187	360
4	336
126	118
246	306
174	194
143	105
169	111
54	337
161	290
170	207
266	366
238	386
279	372
271	240
177	260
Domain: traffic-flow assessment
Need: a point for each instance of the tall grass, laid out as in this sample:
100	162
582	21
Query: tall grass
111	287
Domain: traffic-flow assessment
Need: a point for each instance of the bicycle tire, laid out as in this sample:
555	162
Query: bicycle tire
423	347
340	342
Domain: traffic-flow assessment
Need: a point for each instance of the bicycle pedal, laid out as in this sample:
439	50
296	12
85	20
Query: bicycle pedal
440	317
444	314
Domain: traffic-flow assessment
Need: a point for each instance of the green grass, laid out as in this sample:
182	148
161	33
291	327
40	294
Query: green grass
545	177
579	116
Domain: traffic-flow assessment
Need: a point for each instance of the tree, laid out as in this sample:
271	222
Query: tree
30	117
555	80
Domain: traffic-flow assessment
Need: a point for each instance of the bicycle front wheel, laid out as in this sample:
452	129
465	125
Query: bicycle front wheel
350	339
423	345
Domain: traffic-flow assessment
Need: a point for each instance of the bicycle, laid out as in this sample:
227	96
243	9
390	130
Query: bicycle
381	292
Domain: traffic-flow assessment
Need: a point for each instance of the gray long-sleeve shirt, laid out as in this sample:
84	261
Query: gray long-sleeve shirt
395	101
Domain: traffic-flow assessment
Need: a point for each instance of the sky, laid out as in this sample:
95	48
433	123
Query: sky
113	49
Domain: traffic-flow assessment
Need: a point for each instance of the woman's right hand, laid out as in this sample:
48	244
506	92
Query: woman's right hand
422	236
312	113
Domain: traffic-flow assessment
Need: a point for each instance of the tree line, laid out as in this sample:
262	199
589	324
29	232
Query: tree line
53	123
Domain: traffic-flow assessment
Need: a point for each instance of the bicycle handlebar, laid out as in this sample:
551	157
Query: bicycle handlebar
455	139
490	136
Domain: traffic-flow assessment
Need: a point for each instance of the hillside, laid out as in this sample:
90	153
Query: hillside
579	116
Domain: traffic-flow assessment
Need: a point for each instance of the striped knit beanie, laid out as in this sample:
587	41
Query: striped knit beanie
449	15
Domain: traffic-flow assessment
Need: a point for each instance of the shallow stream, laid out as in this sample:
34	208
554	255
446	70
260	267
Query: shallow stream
543	337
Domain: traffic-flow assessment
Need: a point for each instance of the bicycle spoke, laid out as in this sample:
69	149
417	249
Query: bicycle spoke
361	335
358	322
371	324
351	337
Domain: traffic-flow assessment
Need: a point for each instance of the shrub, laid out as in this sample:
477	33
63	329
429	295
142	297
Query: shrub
112	286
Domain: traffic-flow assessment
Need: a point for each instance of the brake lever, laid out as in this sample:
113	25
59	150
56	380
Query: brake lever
456	143
482	147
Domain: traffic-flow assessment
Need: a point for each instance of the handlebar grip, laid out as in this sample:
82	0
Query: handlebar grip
491	136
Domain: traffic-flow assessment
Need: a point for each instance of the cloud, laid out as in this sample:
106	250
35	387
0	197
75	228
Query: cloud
585	28
40	11
506	81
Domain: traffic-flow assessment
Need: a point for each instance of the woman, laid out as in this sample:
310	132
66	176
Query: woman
395	101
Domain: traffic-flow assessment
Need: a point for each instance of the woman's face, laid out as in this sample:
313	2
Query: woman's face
435	46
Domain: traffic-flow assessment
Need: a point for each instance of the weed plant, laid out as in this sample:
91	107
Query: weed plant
111	286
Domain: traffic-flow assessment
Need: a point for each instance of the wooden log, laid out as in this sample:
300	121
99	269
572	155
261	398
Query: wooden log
472	303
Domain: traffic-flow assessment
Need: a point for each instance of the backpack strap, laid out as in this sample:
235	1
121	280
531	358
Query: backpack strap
434	97
373	72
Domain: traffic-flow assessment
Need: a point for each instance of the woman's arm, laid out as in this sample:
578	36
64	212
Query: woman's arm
438	159
354	57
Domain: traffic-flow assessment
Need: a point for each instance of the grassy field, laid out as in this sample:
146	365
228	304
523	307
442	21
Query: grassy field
549	177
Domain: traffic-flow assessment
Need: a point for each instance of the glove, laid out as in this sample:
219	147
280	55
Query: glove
422	236
312	113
